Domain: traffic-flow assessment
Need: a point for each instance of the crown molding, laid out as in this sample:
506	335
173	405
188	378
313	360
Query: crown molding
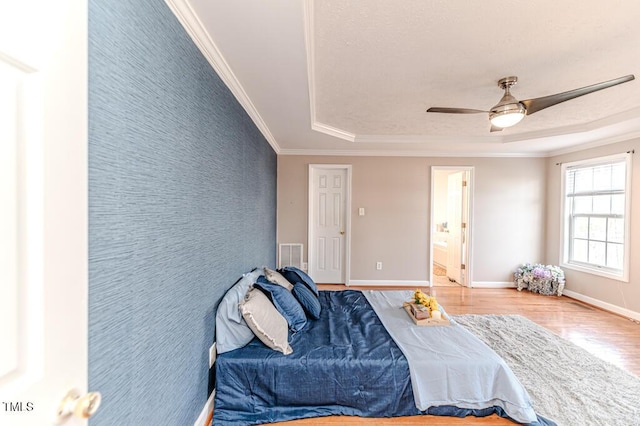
333	131
423	139
600	142
309	43
408	153
605	131
194	28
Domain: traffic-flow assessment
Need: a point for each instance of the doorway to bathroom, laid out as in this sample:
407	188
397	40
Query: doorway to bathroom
450	230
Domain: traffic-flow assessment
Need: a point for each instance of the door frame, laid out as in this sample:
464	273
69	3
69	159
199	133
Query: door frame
310	218
53	215
467	213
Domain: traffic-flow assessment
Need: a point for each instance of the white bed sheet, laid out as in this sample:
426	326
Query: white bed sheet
449	365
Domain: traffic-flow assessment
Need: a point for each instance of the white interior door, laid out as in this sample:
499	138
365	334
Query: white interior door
43	207
328	223
454	213
465	229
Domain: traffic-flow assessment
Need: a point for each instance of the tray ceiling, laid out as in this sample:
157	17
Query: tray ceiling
356	77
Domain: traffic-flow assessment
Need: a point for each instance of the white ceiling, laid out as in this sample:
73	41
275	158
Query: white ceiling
356	77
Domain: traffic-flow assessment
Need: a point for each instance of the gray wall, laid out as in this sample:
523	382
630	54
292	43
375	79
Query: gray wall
625	295
182	201
509	203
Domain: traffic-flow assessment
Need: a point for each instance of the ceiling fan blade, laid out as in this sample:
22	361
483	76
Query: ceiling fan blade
456	110
537	104
496	129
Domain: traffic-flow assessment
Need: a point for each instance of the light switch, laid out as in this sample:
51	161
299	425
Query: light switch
361	211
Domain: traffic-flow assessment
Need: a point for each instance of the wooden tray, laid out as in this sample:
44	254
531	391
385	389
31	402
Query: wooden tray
426	321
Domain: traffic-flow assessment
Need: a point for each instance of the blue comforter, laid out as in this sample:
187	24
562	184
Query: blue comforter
345	363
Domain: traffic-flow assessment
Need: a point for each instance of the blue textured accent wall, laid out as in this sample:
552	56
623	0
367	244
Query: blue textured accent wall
182	201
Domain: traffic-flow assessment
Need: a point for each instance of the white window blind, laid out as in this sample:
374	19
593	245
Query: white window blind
595	205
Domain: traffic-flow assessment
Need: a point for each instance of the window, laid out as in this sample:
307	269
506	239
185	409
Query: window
596	205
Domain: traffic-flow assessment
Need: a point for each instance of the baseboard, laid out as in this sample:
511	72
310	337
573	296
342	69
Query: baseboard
389	283
493	284
603	305
408	283
208	407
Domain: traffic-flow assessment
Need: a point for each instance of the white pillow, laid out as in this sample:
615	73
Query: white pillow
266	322
232	331
277	278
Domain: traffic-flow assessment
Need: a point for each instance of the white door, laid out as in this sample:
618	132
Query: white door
454	216
43	207
465	229
328	223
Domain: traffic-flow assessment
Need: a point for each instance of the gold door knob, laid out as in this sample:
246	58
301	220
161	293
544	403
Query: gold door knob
341	232
80	406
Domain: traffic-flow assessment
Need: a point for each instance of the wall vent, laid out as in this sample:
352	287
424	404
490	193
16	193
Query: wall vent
290	254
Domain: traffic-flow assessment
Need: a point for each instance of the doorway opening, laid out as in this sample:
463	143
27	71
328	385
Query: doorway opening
450	226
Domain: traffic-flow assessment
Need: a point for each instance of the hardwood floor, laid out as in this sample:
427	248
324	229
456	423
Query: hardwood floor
611	337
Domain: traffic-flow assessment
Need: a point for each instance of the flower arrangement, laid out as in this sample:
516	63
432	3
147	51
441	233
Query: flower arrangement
424	310
427	301
543	279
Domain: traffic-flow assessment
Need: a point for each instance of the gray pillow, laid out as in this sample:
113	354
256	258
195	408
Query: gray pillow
277	278
265	321
284	302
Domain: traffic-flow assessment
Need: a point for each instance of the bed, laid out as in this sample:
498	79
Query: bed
343	363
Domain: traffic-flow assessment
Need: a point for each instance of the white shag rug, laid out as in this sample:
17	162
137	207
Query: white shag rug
566	383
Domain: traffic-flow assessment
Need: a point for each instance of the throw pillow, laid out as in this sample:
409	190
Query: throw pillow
277	278
232	332
308	300
265	321
284	302
294	275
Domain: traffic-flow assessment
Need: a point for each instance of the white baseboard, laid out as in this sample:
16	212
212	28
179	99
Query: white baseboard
603	305
389	283
208	407
493	284
418	283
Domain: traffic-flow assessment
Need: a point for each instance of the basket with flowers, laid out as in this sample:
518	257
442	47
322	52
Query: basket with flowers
538	278
425	310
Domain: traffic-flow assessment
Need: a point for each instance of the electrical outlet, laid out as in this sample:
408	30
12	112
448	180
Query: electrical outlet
379	266
304	266
212	354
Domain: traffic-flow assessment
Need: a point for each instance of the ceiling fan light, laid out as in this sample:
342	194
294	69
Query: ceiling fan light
507	115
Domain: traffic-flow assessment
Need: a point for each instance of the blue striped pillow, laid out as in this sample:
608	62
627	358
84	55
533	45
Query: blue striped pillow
284	302
294	275
308	300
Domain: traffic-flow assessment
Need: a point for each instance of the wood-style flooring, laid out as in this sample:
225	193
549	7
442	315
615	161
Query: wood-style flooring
605	335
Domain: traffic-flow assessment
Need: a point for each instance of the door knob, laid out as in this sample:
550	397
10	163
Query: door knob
341	232
80	406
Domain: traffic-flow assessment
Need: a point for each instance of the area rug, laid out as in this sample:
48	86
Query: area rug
566	383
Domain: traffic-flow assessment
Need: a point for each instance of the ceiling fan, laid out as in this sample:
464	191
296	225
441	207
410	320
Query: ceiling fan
509	111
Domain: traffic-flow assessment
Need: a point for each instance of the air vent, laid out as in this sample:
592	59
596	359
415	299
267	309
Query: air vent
290	254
